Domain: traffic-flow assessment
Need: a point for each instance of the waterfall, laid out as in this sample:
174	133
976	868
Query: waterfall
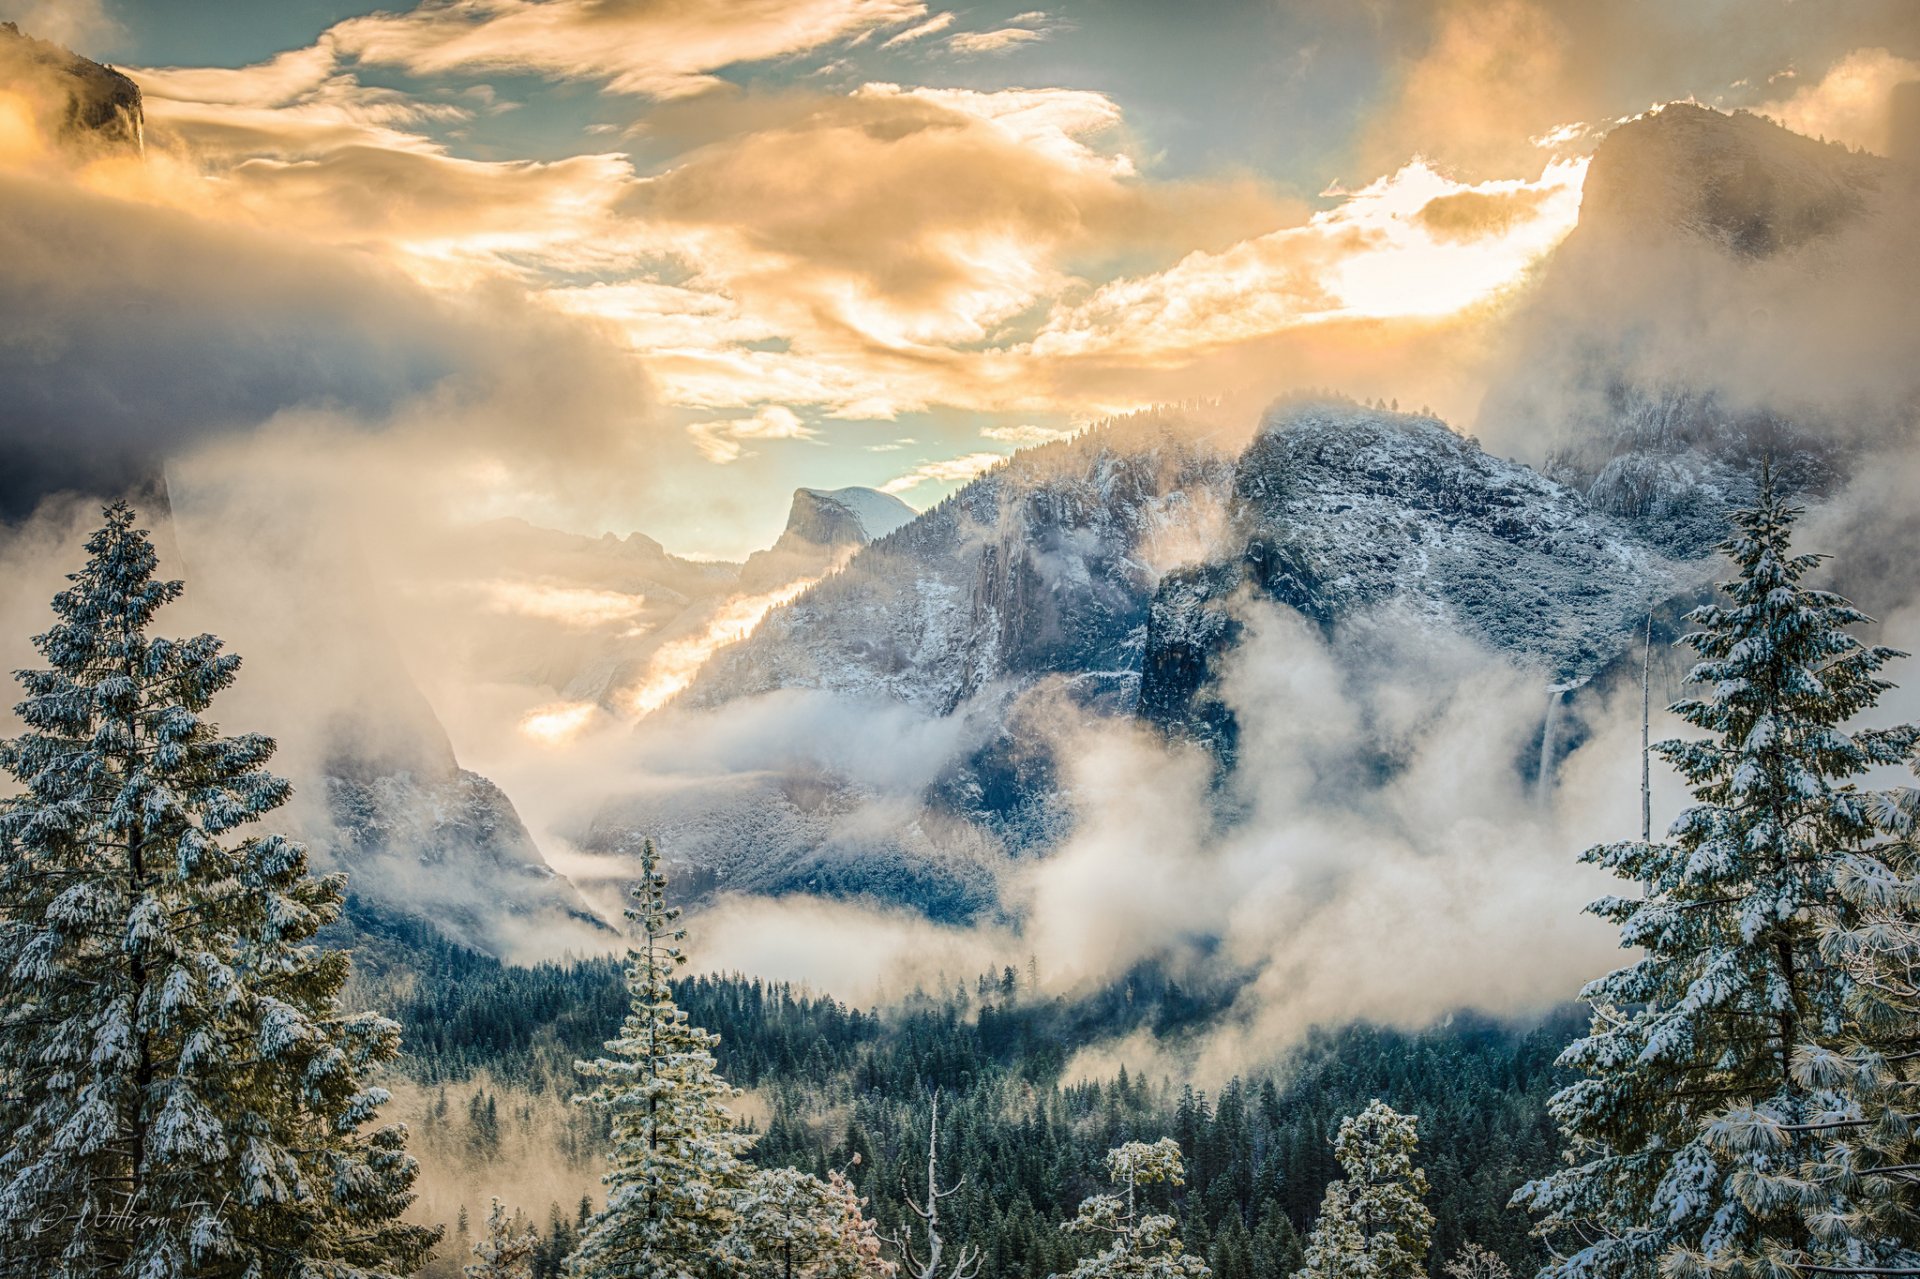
1543	778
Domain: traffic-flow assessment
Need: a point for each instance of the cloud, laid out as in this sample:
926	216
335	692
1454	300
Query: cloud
652	48
878	954
1378	855
1000	40
720	440
1851	103
1026	434
949	470
1378	254
77	24
932	26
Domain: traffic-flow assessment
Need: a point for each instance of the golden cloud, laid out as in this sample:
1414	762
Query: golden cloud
1469	215
949	470
1851	103
654	48
1376	255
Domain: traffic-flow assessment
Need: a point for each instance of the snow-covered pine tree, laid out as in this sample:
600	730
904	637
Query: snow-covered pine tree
792	1225
1475	1262
1689	1132
507	1250
675	1175
1139	1244
1374	1223
187	1097
1858	1184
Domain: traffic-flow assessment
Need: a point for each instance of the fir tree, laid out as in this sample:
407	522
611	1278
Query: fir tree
1475	1262
1139	1244
792	1225
1856	1182
1698	1113
675	1172
1373	1224
187	1096
508	1248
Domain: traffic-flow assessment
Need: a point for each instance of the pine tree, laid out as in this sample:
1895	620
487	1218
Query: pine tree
507	1250
1140	1244
187	1097
792	1225
1373	1224
1689	1132
675	1172
1857	1185
1475	1262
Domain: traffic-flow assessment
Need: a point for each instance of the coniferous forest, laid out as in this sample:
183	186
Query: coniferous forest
194	1087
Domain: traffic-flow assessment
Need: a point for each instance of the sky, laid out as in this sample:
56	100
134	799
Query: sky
652	264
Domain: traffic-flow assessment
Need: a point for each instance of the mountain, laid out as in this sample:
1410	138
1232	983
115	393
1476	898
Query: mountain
1337	509
823	525
85	101
1043	566
1108	571
1688	328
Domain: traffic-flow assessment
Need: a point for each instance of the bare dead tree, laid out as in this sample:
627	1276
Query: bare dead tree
926	1265
1646	723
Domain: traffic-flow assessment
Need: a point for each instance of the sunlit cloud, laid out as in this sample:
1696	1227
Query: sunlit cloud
673	666
1378	254
571	606
1023	29
557	723
997	41
951	470
1025	434
932	26
721	440
660	50
1850	102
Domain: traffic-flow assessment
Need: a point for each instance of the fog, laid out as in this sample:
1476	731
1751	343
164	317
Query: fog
321	444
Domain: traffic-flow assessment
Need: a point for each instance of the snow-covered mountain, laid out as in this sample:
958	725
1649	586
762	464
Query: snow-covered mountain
1043	566
1722	267
1109	571
1337	510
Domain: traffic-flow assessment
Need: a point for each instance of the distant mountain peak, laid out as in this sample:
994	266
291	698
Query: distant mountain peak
86	99
829	517
1742	182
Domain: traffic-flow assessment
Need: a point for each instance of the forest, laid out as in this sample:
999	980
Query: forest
203	1033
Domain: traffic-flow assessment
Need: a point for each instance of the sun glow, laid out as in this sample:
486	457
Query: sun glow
675	664
558	723
575	607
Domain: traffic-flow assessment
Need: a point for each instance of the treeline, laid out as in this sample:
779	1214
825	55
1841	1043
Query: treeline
1029	1145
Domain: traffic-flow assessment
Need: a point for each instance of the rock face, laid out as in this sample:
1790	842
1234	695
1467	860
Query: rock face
1338	510
1742	184
1041	567
1667	350
823	527
84	100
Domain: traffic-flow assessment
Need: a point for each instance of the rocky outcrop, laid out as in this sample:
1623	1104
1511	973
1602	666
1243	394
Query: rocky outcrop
823	527
1041	567
1339	511
84	101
